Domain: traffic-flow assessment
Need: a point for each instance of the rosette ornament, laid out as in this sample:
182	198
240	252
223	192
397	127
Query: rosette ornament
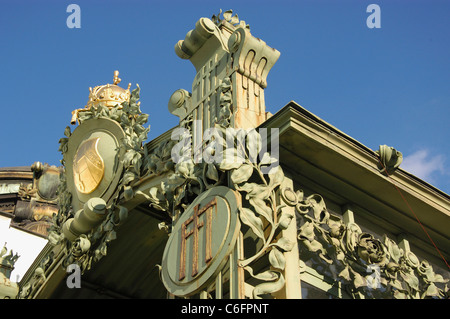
370	249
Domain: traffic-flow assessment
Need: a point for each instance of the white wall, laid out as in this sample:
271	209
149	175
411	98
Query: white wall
28	247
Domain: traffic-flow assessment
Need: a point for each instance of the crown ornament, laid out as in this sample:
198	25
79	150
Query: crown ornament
108	95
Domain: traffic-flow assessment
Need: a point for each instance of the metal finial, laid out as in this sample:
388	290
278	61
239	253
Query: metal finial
116	77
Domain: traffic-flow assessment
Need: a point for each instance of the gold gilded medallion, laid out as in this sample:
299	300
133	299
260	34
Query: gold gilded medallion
88	166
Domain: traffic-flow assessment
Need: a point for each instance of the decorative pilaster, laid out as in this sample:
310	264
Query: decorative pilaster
252	61
228	92
224	50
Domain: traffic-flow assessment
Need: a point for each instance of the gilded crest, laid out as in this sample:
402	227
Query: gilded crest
88	166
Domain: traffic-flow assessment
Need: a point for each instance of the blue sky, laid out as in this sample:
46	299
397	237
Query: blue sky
380	86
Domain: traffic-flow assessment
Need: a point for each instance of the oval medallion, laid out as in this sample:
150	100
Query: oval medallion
88	166
201	242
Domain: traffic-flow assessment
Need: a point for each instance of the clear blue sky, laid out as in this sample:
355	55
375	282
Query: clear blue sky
380	86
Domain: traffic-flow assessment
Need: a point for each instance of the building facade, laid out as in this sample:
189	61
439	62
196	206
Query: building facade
234	202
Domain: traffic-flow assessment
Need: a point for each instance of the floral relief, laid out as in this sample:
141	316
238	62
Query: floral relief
367	267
